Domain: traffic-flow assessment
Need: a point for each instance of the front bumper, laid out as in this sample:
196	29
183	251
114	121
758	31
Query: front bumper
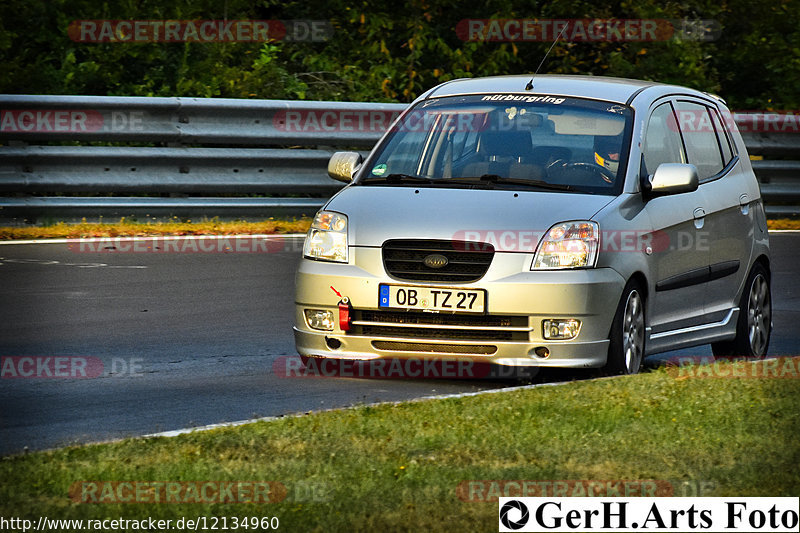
521	297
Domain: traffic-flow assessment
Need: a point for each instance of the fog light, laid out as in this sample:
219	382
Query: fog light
319	319
561	328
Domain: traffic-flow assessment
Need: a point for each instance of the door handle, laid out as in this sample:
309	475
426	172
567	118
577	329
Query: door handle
744	204
699	217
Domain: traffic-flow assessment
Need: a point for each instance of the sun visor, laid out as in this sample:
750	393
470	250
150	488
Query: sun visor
569	123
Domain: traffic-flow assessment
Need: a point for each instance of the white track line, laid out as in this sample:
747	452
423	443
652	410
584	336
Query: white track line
184	431
176	432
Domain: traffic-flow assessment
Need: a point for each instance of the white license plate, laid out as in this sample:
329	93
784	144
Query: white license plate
432	298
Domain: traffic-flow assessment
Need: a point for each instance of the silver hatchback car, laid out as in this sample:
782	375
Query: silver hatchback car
560	221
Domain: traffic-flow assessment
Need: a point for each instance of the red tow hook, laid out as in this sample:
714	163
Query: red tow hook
345	314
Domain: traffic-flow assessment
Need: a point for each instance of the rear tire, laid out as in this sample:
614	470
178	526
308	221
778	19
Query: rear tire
754	325
627	339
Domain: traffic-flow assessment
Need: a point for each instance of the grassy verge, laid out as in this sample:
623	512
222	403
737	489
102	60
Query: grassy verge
783	223
397	467
62	230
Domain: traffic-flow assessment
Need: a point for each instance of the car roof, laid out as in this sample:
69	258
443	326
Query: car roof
595	87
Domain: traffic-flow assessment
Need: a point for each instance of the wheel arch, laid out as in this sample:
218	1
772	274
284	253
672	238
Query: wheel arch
640	279
764	261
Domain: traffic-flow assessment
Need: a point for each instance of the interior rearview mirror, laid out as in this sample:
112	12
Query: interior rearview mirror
343	165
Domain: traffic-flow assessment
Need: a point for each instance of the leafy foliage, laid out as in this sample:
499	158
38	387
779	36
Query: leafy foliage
384	51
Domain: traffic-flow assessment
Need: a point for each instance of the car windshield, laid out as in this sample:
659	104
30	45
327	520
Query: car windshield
506	141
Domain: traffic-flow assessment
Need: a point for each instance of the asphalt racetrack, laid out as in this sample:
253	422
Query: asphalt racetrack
190	339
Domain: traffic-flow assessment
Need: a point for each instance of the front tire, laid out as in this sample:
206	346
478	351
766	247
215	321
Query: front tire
754	326
626	347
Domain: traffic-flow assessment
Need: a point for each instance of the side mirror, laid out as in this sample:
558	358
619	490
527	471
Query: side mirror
343	165
672	178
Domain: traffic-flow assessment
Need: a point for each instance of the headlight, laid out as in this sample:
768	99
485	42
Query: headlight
568	245
327	238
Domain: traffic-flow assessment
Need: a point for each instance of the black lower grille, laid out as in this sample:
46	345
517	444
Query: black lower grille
476	349
430	333
437	326
402	317
463	261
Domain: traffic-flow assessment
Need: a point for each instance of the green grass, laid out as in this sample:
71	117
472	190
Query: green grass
396	467
132	228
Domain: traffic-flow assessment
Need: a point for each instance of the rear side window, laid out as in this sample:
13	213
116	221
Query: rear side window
700	138
723	137
662	142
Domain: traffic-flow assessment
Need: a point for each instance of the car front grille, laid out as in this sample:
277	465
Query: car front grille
438	326
466	261
461	349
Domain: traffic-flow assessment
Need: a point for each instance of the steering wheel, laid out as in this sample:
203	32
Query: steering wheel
603	172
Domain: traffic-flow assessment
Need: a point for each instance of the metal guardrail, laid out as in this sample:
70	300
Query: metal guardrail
132	170
218	150
198	121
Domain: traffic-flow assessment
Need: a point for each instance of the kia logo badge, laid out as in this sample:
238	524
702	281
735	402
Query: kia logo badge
435	261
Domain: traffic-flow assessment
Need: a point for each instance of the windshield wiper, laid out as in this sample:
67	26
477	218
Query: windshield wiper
494	178
487	180
398	178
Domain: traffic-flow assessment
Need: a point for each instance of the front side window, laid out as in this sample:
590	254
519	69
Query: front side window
507	141
662	142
